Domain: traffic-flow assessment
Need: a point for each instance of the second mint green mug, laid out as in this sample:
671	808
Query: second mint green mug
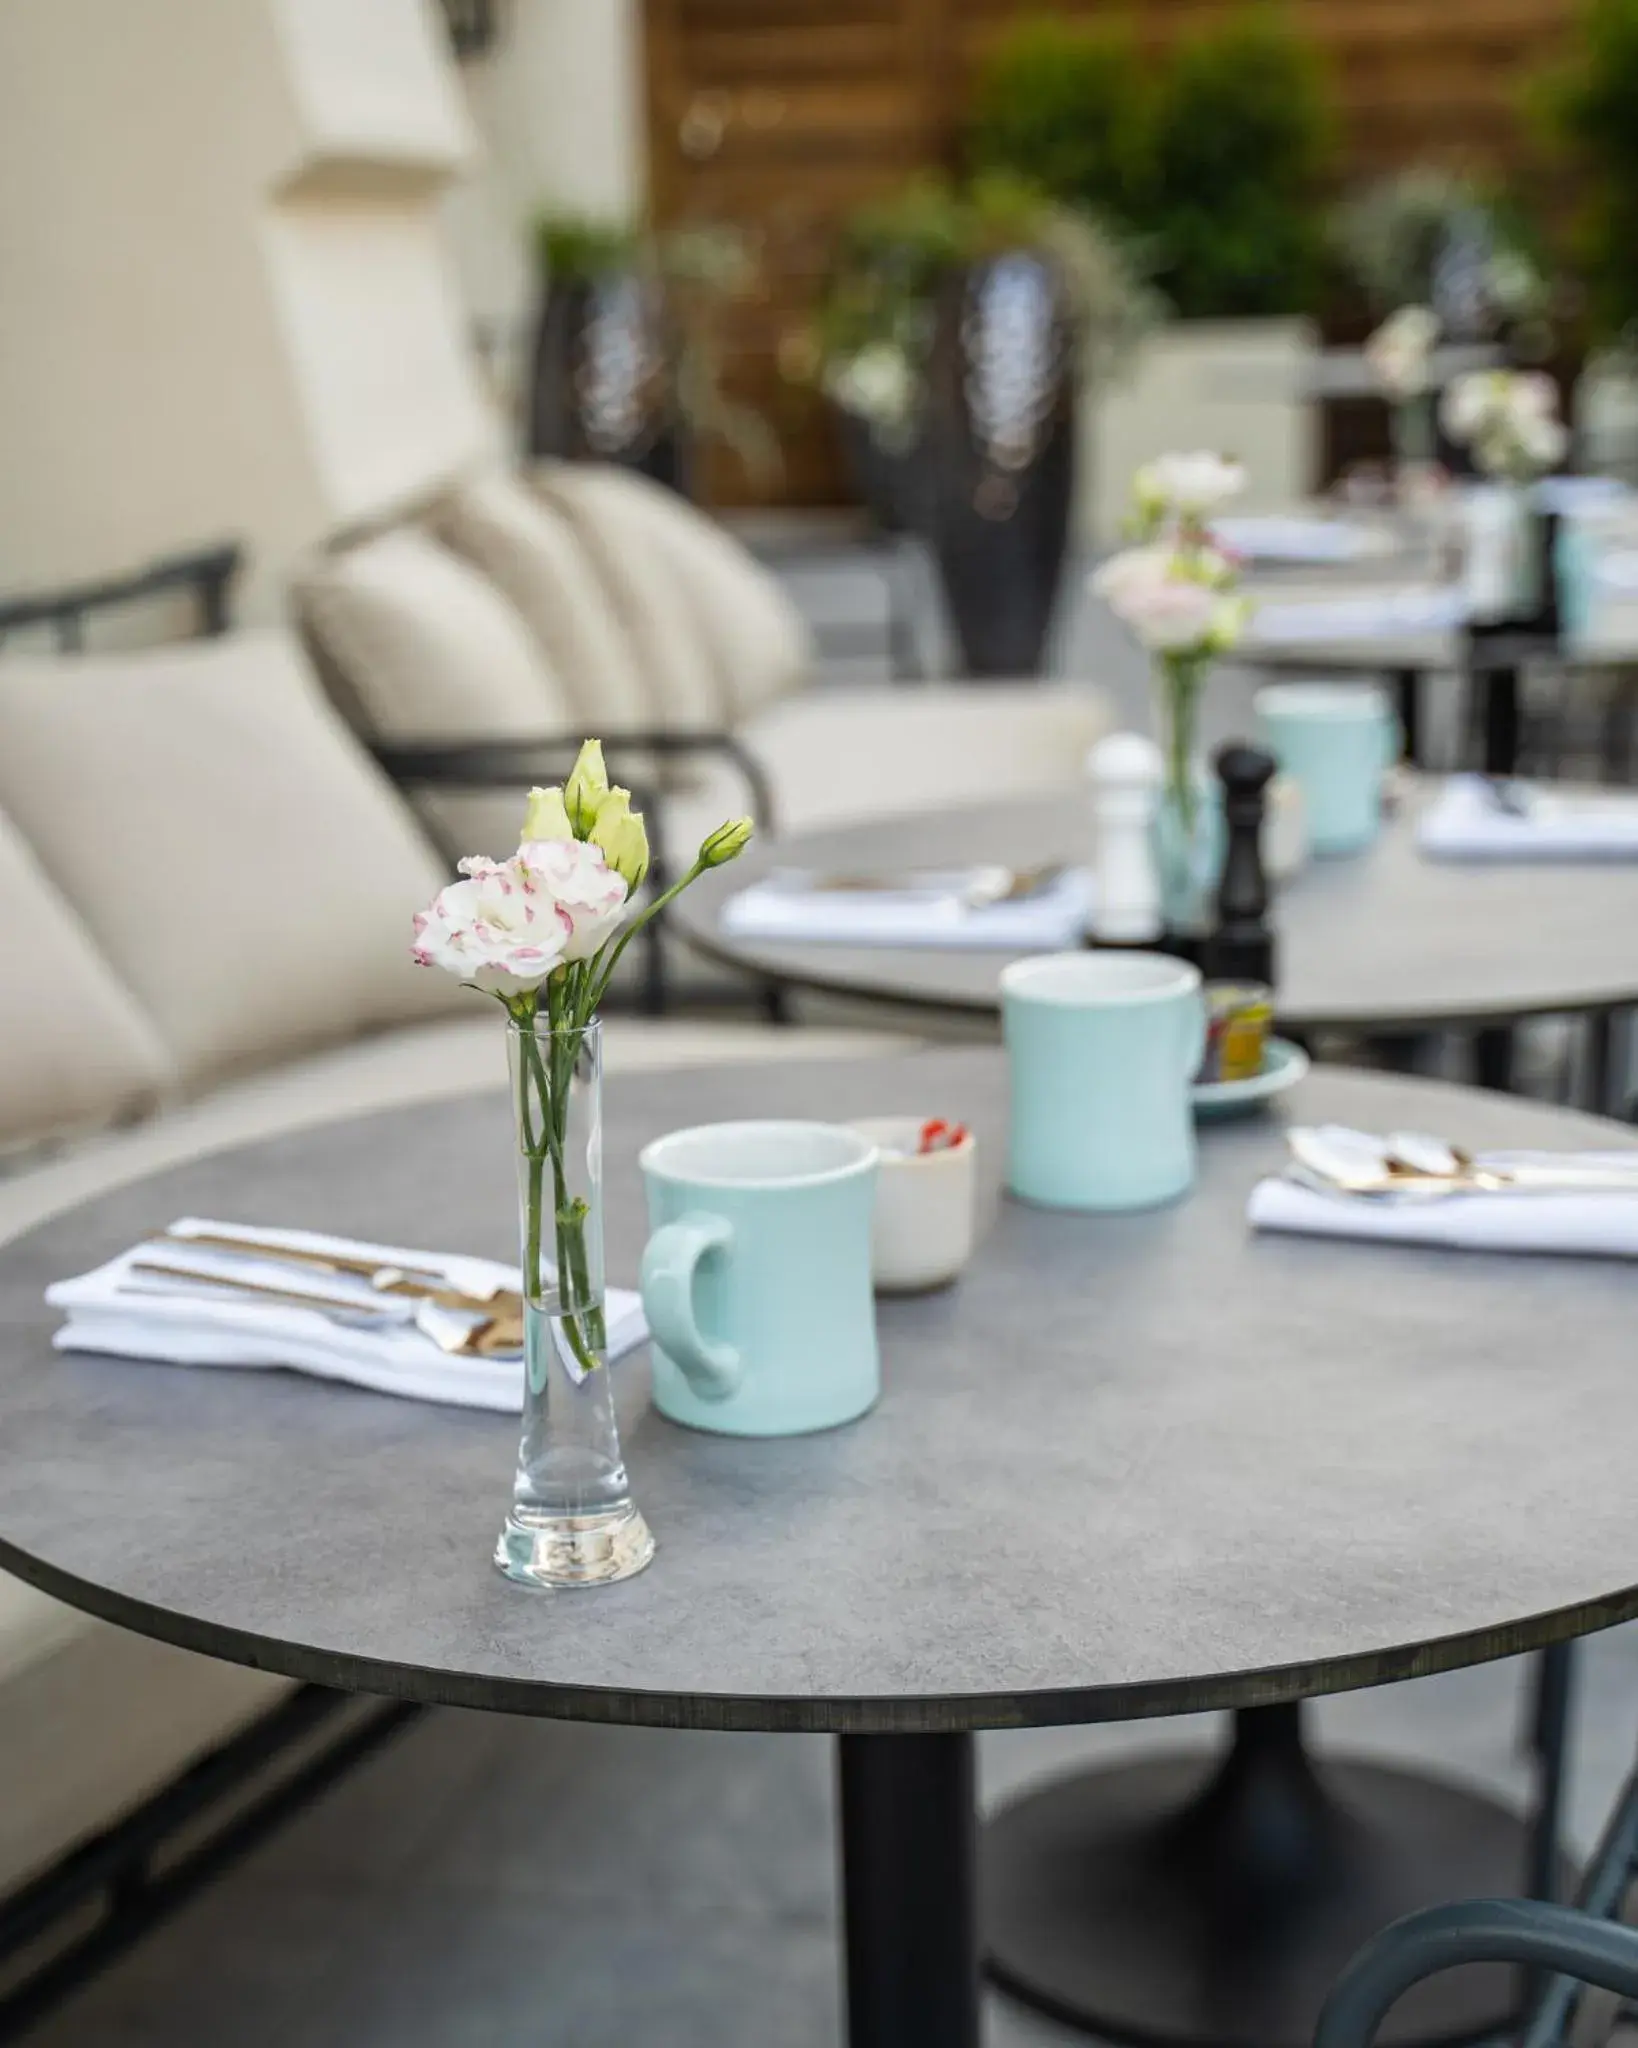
1102	1050
1337	741
756	1281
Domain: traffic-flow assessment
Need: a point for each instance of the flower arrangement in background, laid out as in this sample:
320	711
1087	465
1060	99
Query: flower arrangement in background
1509	419
1426	236
1176	590
543	933
868	348
1400	357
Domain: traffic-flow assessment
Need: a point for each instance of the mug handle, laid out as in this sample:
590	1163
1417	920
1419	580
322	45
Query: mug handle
712	1370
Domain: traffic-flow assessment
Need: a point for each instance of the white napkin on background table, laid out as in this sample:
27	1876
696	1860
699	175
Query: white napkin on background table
104	1315
1371	615
1465	822
1297	537
921	915
1601	1224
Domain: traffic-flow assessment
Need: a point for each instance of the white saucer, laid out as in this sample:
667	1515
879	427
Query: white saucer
1284	1065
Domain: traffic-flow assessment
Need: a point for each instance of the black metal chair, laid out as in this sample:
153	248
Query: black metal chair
1564	1949
205	575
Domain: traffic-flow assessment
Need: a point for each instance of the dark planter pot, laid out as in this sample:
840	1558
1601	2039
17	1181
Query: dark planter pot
1001	458
893	483
602	385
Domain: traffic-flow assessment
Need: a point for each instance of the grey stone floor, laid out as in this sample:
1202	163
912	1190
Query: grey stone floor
487	1883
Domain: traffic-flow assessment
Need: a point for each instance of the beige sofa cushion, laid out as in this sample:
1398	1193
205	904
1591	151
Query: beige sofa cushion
426	647
68	1766
754	636
237	857
533	556
75	1050
628	542
417	644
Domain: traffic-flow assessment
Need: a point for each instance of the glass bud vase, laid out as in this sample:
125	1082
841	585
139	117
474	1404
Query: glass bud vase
1188	834
572	1521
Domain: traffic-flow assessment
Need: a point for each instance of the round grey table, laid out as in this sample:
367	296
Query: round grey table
1382	943
1130	1465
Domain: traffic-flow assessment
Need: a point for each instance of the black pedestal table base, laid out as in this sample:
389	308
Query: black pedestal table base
909	1897
1167	1901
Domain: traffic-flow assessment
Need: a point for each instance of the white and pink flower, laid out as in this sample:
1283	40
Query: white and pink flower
498	929
1509	418
577	879
1187	486
1173	600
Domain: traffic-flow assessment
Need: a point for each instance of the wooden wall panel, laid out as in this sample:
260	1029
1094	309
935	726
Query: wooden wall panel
783	114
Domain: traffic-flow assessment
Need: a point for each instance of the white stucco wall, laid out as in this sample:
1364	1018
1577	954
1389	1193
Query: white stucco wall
557	106
226	307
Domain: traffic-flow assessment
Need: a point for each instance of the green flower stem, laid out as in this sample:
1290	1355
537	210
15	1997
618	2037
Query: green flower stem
544	1137
606	961
1182	684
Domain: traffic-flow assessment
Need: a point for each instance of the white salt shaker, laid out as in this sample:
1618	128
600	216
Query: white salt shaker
1125	772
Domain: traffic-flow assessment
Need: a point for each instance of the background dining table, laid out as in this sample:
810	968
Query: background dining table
1128	1466
1384	944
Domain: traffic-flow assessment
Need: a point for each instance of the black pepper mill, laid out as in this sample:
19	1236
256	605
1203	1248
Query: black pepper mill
1241	948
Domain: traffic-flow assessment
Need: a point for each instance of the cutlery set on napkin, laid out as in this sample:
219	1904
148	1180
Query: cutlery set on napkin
1040	909
430	1326
1484	817
1410	1188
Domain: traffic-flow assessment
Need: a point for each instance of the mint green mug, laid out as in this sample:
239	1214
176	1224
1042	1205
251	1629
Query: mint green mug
756	1281
1102	1050
1337	741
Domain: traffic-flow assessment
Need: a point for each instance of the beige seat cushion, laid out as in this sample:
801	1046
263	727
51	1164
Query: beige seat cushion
755	637
838	754
417	644
75	1050
426	646
241	863
69	1766
531	553
631	549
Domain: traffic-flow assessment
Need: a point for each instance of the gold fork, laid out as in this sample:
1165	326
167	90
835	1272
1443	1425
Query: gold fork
479	1334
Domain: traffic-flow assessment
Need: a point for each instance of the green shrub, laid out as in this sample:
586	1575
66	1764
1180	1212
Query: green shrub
1242	131
1212	160
575	247
1592	109
1067	108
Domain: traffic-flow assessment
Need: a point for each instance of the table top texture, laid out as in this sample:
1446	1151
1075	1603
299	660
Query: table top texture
1383	940
1129	1465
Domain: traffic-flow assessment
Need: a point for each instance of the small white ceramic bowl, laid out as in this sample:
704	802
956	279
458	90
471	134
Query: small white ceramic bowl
925	1206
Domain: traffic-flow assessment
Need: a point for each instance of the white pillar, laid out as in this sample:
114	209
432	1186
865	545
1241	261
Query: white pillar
227	311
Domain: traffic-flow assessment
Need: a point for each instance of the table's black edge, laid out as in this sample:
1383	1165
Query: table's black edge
863	1714
1409	1023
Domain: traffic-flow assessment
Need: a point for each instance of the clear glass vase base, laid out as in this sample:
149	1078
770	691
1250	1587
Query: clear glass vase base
573	1550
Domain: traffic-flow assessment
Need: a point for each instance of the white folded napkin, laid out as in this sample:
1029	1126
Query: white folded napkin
1574	494
109	1310
1296	537
929	913
1466	822
1602	1224
1371	615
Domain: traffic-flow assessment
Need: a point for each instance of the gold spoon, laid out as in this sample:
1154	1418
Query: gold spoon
465	1332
